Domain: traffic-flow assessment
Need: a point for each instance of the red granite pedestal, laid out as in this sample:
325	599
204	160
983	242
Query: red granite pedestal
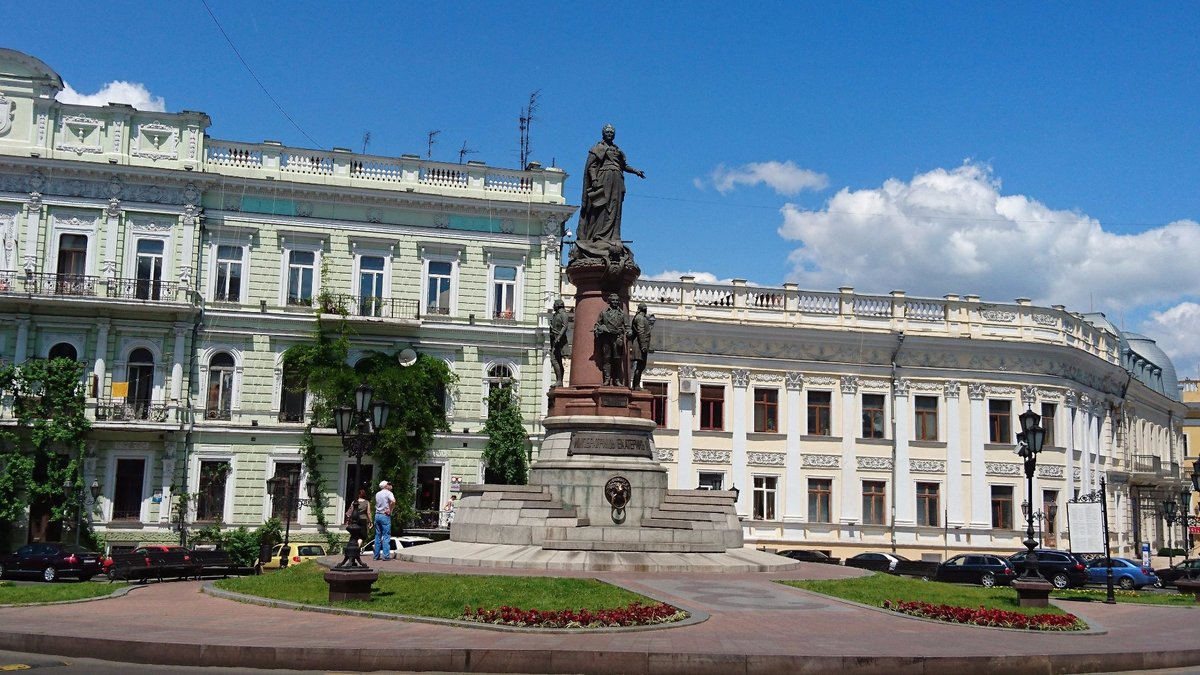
350	584
1033	592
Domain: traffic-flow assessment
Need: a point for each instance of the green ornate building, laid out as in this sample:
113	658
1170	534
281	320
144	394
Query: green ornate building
177	269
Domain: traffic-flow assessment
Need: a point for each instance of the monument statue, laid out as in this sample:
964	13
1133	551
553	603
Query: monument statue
639	348
603	194
610	333
558	339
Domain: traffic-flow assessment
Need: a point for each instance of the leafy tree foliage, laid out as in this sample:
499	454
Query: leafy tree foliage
506	454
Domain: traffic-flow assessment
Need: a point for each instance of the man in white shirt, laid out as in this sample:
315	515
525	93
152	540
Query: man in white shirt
385	501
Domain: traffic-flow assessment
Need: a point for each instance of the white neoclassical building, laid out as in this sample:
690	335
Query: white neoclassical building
854	422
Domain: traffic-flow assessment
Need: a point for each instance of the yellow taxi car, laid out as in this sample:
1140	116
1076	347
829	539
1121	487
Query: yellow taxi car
299	553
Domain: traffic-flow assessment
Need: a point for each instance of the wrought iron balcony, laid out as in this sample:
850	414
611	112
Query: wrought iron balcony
110	410
218	413
1147	464
82	285
372	306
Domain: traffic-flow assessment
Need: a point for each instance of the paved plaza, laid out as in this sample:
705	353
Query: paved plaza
747	624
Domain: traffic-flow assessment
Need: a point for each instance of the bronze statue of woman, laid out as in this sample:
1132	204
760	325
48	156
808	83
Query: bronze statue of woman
603	195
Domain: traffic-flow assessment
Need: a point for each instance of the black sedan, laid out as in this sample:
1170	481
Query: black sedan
1184	569
51	561
975	568
808	555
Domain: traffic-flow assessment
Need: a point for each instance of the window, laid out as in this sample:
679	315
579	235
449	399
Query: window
1000	421
366	481
658	402
820	412
292	398
874	502
928	505
1048	410
764	497
149	269
141	383
370	285
499	375
820	496
1002	507
712	408
300	268
127	495
72	264
283	503
766	410
220	387
437	298
227	287
925	420
504	292
872	415
210	499
711	480
63	350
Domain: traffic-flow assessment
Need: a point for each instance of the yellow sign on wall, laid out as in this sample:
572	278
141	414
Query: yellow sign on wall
120	389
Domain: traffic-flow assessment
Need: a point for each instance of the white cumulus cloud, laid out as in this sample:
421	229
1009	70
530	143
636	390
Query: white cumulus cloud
785	178
1175	330
117	91
954	231
674	275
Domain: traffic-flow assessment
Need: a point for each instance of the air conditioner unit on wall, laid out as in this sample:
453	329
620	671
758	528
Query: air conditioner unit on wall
688	385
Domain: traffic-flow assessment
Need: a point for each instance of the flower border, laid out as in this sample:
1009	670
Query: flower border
634	614
982	616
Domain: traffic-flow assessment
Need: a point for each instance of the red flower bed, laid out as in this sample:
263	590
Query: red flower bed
987	617
635	614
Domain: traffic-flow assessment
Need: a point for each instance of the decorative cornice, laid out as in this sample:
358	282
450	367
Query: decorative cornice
976	391
874	385
766	458
1050	471
994	390
659	372
927	466
820	461
821	381
1044	320
849	384
719	375
902	387
951	389
1000	315
766	377
1002	469
687	371
795	380
874	463
741	378
710	456
664	454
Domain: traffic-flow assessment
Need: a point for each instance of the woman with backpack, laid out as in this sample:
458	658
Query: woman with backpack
358	517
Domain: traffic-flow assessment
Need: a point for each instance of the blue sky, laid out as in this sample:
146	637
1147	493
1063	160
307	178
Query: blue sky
1042	150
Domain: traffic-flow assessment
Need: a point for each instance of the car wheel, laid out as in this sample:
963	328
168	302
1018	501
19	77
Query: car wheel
1126	583
49	574
1061	580
988	580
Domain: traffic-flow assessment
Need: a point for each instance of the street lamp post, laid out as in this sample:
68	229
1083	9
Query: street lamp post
68	488
292	503
359	429
1185	504
1040	517
1030	442
1168	514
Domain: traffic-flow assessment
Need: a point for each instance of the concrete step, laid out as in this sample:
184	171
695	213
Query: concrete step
696	508
723	494
666	524
644	547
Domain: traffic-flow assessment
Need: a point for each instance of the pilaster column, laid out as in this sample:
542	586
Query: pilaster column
793	490
903	492
955	513
33	227
849	489
99	369
738	412
1071	401
685	480
22	345
187	241
112	224
1085	447
181	330
980	495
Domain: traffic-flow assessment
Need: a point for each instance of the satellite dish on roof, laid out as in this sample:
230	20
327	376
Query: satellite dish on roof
407	357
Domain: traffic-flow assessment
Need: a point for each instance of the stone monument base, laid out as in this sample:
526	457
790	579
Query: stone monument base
350	585
1033	592
507	556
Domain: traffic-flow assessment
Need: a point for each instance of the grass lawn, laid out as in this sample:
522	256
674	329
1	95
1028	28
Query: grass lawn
439	595
874	589
12	594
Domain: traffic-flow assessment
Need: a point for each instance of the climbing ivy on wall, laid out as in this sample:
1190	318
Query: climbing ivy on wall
43	451
416	394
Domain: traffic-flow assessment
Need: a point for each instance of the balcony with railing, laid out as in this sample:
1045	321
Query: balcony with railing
407	173
951	315
85	286
1147	465
120	410
372	307
218	413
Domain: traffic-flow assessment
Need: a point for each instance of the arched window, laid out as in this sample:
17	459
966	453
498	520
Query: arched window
498	375
141	382
220	387
63	350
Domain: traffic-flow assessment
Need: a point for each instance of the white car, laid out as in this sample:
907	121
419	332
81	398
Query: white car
397	544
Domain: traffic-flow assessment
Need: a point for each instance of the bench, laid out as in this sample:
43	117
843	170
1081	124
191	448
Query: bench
207	563
130	567
173	564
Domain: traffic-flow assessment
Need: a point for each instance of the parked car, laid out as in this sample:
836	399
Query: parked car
976	568
51	561
1061	568
808	555
299	553
1184	569
890	558
397	543
1126	573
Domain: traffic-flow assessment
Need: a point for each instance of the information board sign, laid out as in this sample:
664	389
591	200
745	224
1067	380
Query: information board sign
1086	525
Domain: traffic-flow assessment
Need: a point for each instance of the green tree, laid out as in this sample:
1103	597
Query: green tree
506	454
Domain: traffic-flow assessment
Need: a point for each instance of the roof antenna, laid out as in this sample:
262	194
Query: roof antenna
366	141
526	120
429	148
464	151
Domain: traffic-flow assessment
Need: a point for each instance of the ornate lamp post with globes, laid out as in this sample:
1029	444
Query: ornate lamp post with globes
1168	514
1032	589
292	503
359	429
